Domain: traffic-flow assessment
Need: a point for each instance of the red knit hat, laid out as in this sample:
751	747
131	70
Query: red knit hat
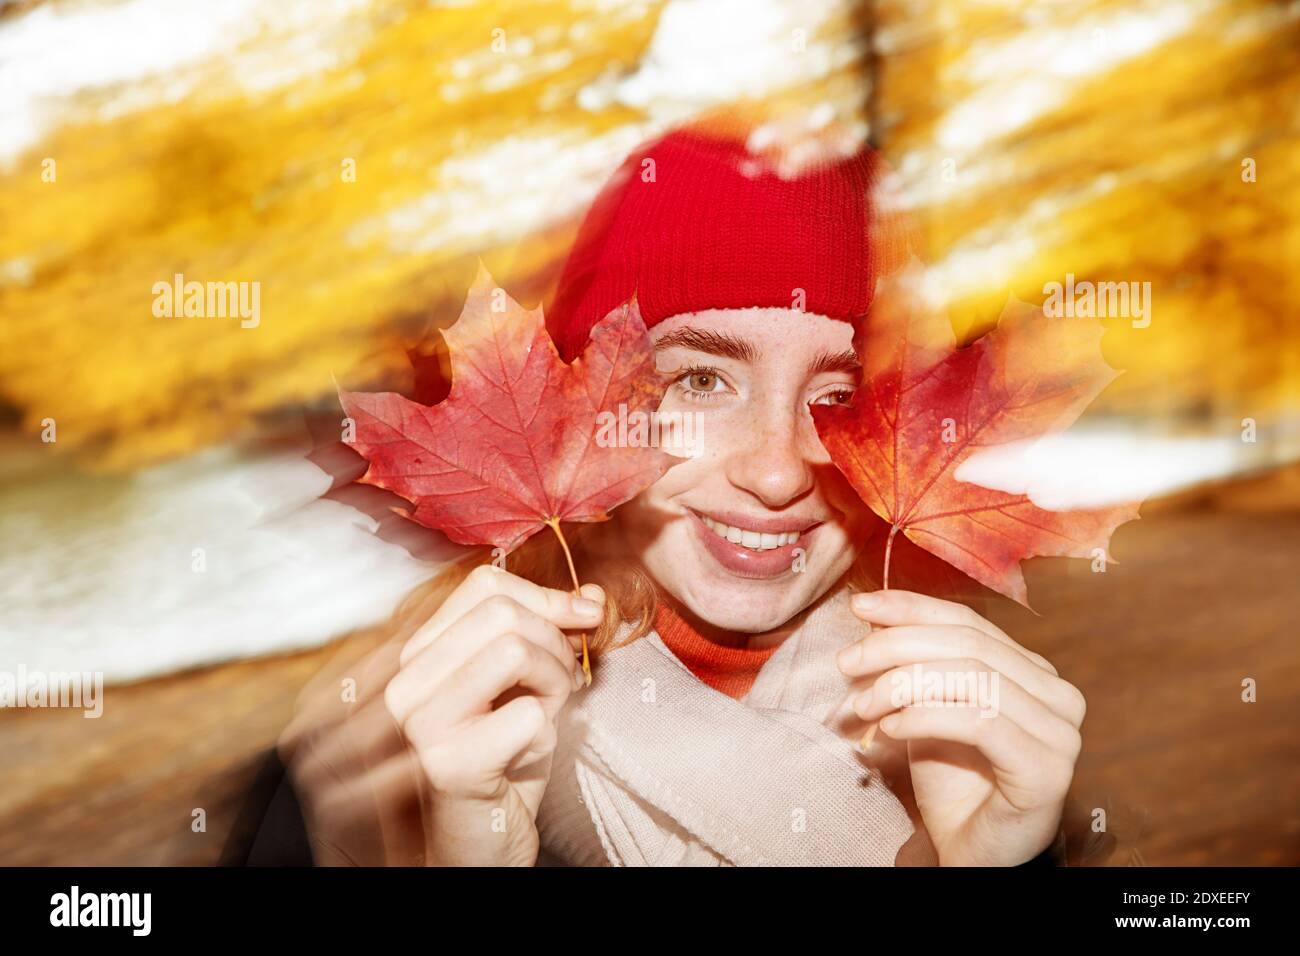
695	220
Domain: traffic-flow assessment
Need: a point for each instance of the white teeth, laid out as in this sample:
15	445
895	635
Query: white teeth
754	540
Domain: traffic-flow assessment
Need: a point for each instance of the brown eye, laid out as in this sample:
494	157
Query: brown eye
702	381
841	397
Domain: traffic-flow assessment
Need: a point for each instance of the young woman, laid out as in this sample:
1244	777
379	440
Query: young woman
740	655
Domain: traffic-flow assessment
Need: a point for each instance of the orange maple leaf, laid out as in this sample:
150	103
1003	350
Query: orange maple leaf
925	407
514	445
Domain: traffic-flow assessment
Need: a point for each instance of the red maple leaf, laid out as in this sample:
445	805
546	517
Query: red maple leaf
513	447
925	407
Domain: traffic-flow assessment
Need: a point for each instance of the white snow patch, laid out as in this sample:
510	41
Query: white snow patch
101	576
1092	468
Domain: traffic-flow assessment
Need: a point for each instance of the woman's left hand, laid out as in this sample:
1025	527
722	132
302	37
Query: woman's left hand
992	731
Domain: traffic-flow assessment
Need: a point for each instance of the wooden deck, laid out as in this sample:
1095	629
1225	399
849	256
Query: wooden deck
1206	596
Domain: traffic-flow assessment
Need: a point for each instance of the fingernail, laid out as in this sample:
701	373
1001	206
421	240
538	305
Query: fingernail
866	602
593	591
847	657
586	608
578	678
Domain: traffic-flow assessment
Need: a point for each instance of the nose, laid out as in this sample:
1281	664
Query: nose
774	462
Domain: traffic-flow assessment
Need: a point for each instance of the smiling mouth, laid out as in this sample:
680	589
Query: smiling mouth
753	539
753	547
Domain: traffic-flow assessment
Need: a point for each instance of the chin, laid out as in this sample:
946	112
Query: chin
734	610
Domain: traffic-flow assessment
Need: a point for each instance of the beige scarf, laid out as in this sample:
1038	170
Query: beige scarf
655	768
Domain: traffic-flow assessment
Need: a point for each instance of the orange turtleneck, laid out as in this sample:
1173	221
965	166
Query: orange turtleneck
728	670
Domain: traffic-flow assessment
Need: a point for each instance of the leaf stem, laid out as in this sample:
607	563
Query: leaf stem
889	548
577	591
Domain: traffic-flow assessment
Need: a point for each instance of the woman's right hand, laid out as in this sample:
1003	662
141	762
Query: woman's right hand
477	696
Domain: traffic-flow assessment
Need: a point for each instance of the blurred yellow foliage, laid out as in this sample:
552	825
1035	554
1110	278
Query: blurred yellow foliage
225	185
360	194
1154	142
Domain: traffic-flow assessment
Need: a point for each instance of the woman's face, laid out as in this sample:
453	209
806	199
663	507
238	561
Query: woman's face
759	523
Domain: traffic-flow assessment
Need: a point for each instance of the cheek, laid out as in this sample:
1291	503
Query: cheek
713	432
849	548
655	507
839	494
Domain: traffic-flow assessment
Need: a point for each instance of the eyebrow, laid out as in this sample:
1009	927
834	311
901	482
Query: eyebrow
836	362
711	343
729	346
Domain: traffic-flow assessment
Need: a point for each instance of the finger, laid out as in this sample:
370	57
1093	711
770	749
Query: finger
467	637
561	608
507	662
894	608
895	646
473	761
1024	767
891	647
969	683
